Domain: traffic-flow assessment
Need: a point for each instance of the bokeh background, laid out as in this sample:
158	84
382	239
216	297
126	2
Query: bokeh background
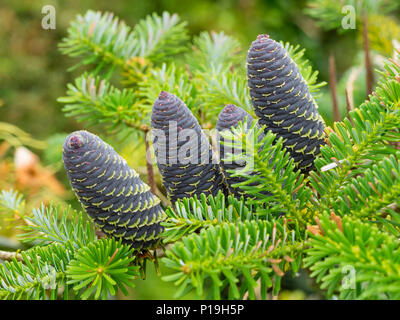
33	74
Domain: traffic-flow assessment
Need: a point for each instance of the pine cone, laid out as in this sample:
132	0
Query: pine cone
186	161
283	102
112	193
230	117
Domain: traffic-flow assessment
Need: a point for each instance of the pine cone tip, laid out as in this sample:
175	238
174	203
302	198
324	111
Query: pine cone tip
165	108
74	141
230	116
163	95
261	37
229	108
112	193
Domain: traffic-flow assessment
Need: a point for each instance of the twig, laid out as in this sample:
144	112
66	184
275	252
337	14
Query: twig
162	197
160	251
100	234
188	71
142	127
149	166
349	104
368	65
350	88
332	85
7	256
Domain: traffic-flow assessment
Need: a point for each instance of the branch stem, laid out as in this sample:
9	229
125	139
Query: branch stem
149	166
9	255
332	85
349	104
368	64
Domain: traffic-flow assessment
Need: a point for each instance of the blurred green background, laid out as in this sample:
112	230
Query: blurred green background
33	74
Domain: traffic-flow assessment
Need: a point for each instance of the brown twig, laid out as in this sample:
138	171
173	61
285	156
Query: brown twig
350	88
368	65
332	85
149	166
160	251
349	104
100	234
188	71
142	127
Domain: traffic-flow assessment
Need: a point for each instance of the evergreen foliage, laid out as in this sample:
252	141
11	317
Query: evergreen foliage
230	117
64	243
341	217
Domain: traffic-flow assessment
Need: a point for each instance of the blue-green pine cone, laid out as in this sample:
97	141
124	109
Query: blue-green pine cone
283	102
185	159
111	192
229	118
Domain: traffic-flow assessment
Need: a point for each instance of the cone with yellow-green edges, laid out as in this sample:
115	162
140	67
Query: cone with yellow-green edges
282	101
111	192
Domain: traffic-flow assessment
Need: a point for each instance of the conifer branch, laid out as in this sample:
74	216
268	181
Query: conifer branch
105	41
95	100
7	255
368	64
192	214
358	252
345	194
222	254
270	175
357	144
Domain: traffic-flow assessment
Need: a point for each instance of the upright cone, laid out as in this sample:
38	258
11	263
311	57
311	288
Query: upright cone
186	161
283	102
112	193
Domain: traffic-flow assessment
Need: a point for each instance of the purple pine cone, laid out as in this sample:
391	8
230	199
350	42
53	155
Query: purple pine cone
112	193
283	102
186	161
